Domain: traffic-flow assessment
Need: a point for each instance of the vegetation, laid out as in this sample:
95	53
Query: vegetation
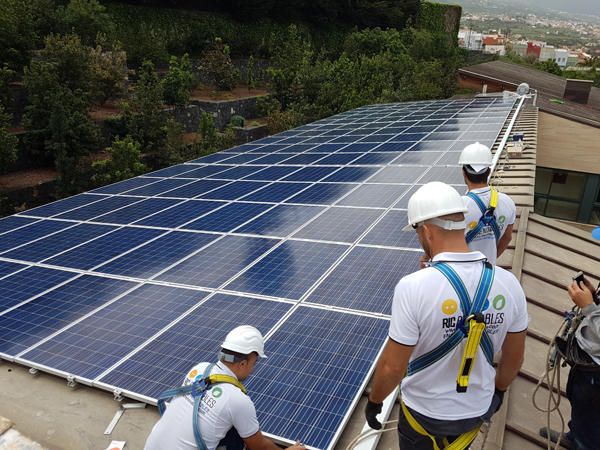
8	143
178	83
216	65
125	161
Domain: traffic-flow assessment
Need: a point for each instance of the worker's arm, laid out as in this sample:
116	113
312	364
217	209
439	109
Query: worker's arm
390	370
504	240
513	351
258	441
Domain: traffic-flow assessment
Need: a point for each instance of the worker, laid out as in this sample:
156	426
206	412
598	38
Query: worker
583	385
217	413
491	214
448	322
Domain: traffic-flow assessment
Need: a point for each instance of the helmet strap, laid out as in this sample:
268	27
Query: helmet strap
448	224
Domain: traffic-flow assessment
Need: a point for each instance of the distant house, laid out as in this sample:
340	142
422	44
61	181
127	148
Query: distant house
561	56
547	53
471	40
494	45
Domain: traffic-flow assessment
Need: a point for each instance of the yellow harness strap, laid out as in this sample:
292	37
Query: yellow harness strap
460	443
218	378
493	198
476	327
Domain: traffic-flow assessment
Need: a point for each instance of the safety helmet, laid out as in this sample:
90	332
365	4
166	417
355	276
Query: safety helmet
245	339
476	158
433	200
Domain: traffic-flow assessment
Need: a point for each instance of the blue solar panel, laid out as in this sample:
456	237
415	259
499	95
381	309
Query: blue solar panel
322	194
281	220
234	190
228	217
137	211
28	324
157	255
28	283
163	363
339	158
276	192
375	159
56	243
171	171
159	187
218	262
6	268
352	174
357	148
398	174
243	158
66	204
310	174
272	173
180	214
426	158
101	340
203	171
237	172
31	232
339	225
289	270
374	195
365	279
449	158
104	248
13	222
92	210
450	175
305	158
214	158
316	366
123	186
393	231
273	158
194	189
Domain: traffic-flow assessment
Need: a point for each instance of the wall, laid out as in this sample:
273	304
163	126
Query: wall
440	18
471	82
565	144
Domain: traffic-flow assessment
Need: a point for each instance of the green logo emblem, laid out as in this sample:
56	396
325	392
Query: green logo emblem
499	302
501	219
217	392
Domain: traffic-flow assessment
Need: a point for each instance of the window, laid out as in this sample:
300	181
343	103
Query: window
558	193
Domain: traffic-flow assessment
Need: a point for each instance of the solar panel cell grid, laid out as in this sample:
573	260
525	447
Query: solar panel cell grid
227	218
339	225
60	206
31	232
374	195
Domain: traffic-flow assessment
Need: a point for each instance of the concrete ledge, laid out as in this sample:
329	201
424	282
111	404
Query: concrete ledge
11	439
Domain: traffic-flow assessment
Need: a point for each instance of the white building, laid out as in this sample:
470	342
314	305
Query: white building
470	39
561	57
547	53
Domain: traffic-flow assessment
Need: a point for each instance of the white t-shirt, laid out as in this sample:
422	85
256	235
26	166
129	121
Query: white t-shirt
505	213
424	313
224	406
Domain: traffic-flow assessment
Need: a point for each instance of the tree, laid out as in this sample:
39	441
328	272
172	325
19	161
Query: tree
143	114
124	162
550	66
179	81
216	65
86	18
8	143
108	66
70	59
7	75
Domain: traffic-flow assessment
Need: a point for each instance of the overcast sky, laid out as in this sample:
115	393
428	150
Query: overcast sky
574	6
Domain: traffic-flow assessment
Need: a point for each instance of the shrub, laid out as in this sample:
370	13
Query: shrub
237	121
70	60
124	162
178	83
216	66
7	75
8	143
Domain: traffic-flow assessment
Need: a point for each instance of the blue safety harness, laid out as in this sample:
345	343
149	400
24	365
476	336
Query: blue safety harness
487	219
197	390
468	309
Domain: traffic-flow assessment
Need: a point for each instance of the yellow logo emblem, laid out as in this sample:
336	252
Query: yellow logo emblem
449	307
472	225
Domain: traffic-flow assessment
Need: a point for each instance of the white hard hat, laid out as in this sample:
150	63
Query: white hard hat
433	200
477	157
245	339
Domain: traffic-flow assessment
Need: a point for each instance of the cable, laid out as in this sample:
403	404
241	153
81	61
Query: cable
552	378
366	434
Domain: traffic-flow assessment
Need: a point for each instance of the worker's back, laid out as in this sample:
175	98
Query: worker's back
505	213
224	406
425	312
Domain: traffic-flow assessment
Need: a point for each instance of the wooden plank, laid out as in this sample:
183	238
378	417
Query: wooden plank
551	272
567	229
566	240
514	441
554	297
535	361
519	252
543	321
575	261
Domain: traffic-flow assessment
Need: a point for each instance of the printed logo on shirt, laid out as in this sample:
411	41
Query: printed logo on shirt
472	225
501	219
499	302
449	306
217	392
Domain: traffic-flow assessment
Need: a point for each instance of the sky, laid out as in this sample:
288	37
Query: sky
572	6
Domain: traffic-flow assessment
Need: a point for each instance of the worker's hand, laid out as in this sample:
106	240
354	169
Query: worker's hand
497	400
423	260
297	446
581	294
371	411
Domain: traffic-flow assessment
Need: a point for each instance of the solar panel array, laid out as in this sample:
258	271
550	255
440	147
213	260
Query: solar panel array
301	234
